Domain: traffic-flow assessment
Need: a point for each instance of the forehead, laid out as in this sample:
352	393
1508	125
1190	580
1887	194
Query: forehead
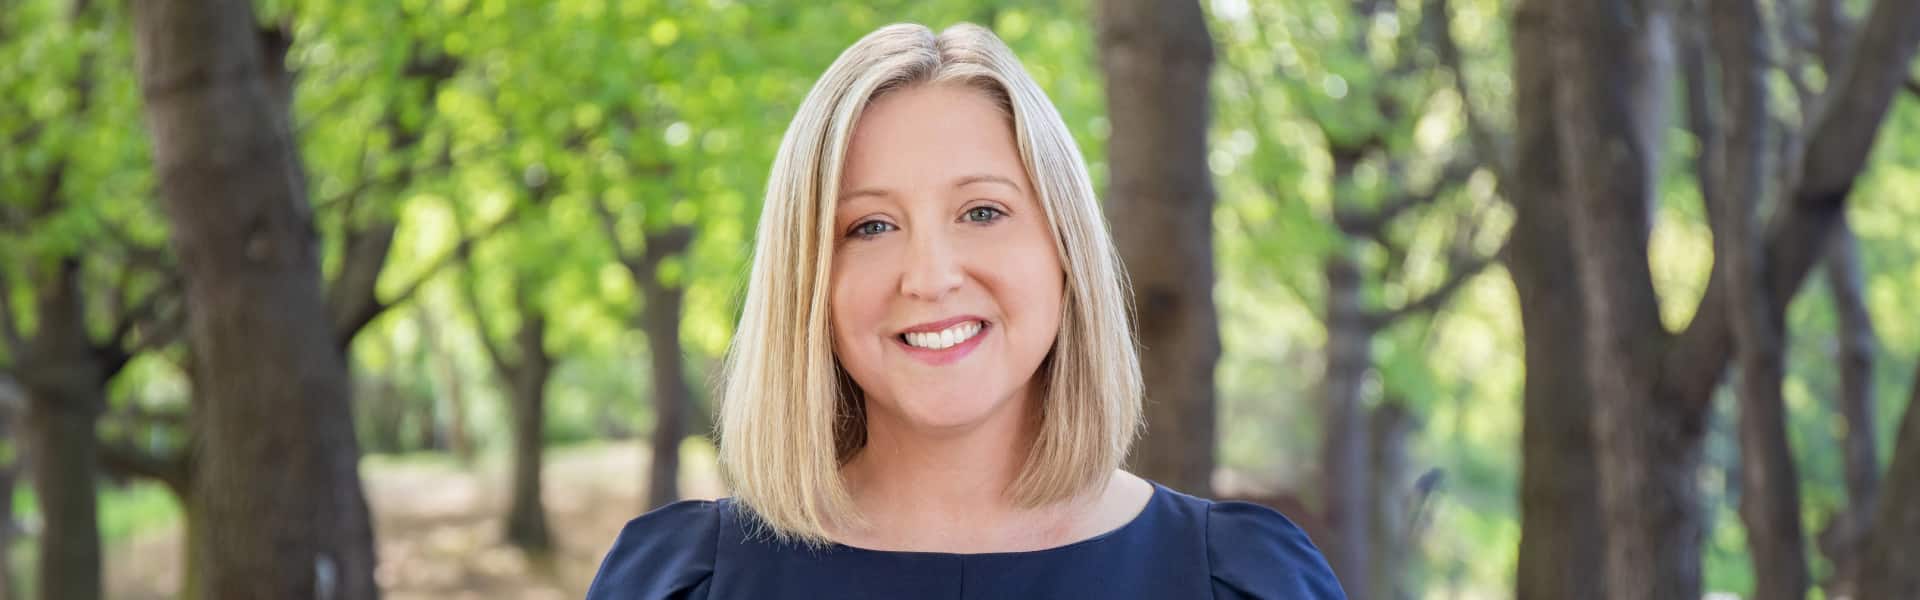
928	135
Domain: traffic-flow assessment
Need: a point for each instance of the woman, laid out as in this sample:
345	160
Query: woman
934	382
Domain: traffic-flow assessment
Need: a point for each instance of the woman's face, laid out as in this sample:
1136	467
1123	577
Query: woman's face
946	284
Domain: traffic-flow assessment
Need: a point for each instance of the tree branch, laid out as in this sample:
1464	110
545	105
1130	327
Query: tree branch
1372	223
446	261
1491	152
337	104
352	295
149	257
610	229
469	292
1461	268
146	310
157	334
1836	153
157	330
123	459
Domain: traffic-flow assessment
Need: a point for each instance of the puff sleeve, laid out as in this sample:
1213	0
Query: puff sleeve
1255	553
666	554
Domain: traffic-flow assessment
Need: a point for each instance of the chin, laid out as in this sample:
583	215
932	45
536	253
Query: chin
947	410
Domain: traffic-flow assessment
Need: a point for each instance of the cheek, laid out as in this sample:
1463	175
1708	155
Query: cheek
1033	285
1043	298
855	300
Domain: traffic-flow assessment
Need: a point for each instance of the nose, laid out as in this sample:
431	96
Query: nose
933	269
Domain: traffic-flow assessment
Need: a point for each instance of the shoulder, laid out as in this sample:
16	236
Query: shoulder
1256	552
666	553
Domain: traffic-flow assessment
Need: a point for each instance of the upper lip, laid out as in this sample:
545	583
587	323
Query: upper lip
940	325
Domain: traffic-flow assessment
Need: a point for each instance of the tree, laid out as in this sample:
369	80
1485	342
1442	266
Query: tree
524	369
1769	501
86	307
276	486
1848	529
1561	535
1650	386
1366	100
1158	58
660	319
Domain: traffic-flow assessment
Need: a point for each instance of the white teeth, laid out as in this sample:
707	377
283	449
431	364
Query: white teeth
944	339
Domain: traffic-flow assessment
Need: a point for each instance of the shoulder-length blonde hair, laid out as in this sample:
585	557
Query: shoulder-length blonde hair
790	416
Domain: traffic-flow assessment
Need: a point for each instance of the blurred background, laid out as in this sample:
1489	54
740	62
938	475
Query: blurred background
1506	299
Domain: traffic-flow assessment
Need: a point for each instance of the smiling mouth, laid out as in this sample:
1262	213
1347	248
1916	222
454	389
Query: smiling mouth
954	335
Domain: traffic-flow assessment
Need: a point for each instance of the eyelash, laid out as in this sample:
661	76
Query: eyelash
859	230
996	214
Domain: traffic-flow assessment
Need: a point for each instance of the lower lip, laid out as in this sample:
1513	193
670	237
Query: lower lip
948	355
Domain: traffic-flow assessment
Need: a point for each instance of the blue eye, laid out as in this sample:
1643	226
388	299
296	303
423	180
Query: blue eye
869	229
984	214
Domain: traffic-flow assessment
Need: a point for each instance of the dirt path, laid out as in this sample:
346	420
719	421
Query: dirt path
439	527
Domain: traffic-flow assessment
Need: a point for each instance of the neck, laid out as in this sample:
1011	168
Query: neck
909	477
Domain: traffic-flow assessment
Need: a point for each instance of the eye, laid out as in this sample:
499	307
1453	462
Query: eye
870	229
984	214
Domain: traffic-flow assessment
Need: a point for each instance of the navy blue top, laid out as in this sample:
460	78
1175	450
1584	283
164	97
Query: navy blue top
1178	547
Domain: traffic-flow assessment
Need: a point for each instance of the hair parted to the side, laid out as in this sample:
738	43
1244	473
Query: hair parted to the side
790	416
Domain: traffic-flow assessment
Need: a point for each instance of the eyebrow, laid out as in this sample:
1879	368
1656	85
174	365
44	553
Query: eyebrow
959	182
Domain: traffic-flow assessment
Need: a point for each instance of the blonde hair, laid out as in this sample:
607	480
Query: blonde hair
789	414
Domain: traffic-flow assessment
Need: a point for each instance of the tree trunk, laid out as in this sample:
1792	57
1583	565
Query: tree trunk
1887	571
1395	502
1854	403
276	486
62	431
1561	533
1613	62
1345	472
527	517
1158	57
66	391
660	319
1770	489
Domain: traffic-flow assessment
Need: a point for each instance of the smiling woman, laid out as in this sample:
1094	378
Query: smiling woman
934	381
